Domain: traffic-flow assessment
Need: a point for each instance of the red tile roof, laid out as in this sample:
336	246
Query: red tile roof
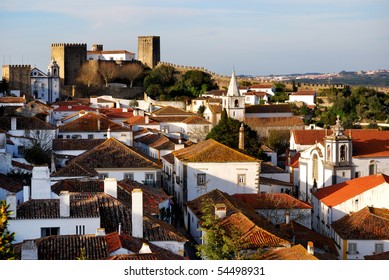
171	111
211	151
338	193
367	224
304	92
9	184
296	252
272	108
272	201
73	107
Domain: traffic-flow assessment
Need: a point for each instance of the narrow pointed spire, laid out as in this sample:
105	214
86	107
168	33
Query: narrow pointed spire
233	88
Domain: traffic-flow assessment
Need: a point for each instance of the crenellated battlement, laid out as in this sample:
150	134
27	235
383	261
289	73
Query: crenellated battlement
18	66
57	45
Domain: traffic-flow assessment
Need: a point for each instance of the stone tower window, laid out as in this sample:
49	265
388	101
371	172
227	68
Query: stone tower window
315	167
343	153
236	103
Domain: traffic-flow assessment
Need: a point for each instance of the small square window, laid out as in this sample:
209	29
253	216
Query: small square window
102	176
201	179
379	248
241	179
129	176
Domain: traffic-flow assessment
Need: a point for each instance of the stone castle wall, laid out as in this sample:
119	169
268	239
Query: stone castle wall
18	77
149	50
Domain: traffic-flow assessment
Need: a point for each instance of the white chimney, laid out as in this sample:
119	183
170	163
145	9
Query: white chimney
64	204
120	229
26	193
310	248
111	187
40	183
137	213
100	232
145	249
29	250
287	217
147	120
13	123
221	210
125	110
109	132
241	137
11	201
98	124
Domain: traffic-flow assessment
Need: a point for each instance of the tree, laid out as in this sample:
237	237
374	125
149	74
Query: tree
220	241
108	71
38	148
6	237
227	133
89	74
130	72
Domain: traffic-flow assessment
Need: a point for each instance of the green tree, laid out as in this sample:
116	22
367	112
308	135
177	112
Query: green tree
227	133
6	237
220	241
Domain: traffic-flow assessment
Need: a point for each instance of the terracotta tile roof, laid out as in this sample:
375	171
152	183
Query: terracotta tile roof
368	223
157	141
91	122
279	108
110	154
338	193
296	252
24	123
325	246
69	247
215	109
366	142
75	144
257	229
73	169
272	201
21	165
380	256
10	99
195	120
9	184
73	108
170	111
257	93
271	181
267	167
169	158
211	151
74	185
168	119
275	121
294	161
139	120
216	92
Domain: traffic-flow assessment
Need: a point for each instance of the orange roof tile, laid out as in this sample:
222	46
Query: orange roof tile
272	201
211	151
367	224
296	252
171	111
336	194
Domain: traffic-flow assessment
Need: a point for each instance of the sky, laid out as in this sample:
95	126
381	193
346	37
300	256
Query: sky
251	37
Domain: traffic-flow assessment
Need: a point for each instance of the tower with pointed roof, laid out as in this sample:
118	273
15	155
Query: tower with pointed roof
233	101
338	164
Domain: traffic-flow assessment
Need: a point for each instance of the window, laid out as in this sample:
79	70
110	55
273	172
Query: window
201	179
379	248
372	167
90	136
328	152
352	249
80	229
343	153
102	176
129	176
149	179
236	103
49	231
21	150
357	174
315	167
241	179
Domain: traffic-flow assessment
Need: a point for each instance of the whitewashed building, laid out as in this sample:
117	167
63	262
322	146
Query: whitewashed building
46	87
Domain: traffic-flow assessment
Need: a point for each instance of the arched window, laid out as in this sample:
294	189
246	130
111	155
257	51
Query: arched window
343	153
236	103
328	152
315	167
372	167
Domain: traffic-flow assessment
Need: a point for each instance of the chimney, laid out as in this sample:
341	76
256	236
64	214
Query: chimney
26	193
137	213
287	217
29	250
40	183
220	210
147	119
13	123
11	201
124	110
100	232
111	187
64	204
145	249
120	228
98	124
109	132
310	248
241	137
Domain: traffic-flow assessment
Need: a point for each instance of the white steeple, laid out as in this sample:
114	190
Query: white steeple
233	89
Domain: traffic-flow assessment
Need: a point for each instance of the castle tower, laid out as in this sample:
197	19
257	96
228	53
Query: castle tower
18	77
338	166
149	50
69	58
233	102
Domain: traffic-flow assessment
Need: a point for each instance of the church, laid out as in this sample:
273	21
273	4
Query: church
329	157
46	87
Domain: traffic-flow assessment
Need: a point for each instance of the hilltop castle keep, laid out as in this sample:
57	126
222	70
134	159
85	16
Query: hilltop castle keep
69	58
149	50
18	77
